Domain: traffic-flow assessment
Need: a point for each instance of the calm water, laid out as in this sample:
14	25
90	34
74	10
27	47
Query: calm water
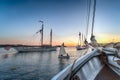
35	65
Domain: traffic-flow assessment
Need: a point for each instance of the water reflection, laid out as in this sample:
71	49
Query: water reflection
35	65
63	63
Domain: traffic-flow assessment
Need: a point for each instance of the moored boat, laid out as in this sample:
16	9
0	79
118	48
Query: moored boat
80	46
40	48
7	51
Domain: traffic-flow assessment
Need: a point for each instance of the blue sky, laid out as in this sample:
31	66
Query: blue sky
19	20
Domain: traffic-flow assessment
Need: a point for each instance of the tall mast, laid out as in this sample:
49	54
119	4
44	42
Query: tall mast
93	17
83	38
79	38
41	32
51	37
93	40
42	35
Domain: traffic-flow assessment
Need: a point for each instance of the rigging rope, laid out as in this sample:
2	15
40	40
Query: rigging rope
88	16
69	77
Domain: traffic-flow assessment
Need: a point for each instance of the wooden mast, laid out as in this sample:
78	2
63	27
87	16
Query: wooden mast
93	18
51	37
42	34
79	38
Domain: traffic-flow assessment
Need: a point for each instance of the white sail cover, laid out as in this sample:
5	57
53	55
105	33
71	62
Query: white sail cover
62	50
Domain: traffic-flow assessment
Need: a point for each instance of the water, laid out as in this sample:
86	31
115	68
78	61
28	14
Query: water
35	65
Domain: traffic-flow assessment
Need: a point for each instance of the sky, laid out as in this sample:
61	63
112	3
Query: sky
19	21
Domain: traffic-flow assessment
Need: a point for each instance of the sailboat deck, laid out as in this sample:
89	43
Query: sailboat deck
107	74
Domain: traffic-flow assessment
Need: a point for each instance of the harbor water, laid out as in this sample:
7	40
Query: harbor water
36	65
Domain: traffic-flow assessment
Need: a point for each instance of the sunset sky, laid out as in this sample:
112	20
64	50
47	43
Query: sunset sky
19	21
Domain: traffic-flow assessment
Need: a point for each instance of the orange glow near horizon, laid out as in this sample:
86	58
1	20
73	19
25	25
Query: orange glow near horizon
68	41
106	38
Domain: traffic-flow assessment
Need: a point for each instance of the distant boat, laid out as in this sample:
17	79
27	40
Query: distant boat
6	51
62	52
42	47
79	46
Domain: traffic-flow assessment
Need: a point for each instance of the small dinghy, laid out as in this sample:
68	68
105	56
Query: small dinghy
62	52
80	46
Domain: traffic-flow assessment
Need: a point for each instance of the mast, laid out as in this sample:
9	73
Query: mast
80	38
83	39
93	17
93	40
42	35
51	37
41	32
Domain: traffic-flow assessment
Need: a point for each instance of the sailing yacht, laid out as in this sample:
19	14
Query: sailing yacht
79	46
62	52
41	47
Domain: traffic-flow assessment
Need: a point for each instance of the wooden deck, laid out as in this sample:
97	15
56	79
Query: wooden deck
107	74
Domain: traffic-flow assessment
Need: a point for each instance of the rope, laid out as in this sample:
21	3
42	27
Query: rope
71	70
105	60
88	16
69	77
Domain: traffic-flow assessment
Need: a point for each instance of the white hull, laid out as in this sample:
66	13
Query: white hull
35	49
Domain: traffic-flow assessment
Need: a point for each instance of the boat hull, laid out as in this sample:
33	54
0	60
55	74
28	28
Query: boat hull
88	67
80	48
64	57
36	49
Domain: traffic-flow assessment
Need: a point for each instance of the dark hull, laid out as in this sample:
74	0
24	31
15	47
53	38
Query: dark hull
107	74
80	48
64	57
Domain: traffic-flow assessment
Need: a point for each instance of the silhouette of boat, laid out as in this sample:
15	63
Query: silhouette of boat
42	47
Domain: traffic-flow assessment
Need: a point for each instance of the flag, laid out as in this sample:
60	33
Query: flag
40	30
40	21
